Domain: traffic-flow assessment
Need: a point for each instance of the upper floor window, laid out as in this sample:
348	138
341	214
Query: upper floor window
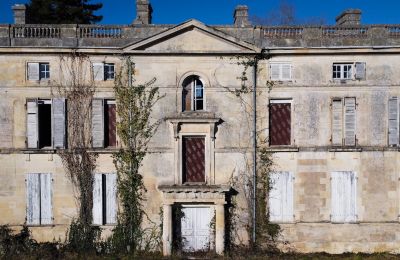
193	159
192	94
346	71
344	121
393	124
280	122
103	71
281	71
38	71
104	123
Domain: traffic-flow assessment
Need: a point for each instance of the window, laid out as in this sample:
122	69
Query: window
343	196
393	117
192	94
38	71
344	131
46	123
280	122
280	71
103	71
39	199
193	159
345	71
104	199
104	124
280	199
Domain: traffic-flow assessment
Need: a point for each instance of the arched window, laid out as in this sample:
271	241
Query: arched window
192	94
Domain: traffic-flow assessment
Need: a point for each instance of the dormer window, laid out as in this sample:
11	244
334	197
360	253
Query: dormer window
192	94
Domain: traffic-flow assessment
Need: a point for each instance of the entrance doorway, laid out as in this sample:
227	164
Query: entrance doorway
196	228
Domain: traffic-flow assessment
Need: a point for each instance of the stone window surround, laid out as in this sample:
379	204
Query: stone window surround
203	80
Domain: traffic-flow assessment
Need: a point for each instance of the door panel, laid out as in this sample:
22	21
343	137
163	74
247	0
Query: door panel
195	227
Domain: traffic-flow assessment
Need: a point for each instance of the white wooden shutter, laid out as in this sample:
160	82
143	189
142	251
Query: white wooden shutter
337	189
286	71
33	71
32	199
360	70
343	196
97	199
275	197
32	123
98	123
275	71
98	71
393	116
349	203
337	122
287	196
350	121
58	120
111	198
46	206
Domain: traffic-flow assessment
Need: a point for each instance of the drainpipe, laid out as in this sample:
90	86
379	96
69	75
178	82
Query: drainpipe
254	147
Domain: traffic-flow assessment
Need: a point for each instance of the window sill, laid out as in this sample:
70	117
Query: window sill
345	149
283	148
37	226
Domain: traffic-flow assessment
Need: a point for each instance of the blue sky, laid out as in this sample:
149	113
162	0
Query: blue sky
220	11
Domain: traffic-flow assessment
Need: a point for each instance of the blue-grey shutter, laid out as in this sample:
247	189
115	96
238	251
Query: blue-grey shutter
32	199
393	116
286	69
337	122
98	123
32	123
46	206
58	111
97	199
360	70
33	71
111	198
350	121
275	69
98	71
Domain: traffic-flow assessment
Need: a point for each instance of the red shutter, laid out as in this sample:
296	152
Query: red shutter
193	159
279	124
111	137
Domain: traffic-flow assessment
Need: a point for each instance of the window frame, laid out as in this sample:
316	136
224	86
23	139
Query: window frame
343	142
107	74
41	64
192	79
281	64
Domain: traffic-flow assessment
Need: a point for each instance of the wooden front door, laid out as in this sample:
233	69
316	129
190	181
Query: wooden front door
193	153
196	228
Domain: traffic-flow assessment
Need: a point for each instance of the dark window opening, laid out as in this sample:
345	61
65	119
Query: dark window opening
44	108
109	71
193	159
192	94
44	69
104	198
110	124
279	124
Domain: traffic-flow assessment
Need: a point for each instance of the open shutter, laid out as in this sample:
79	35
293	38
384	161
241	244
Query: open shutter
360	70
98	71
337	209
393	121
287	196
275	71
350	121
286	71
98	123
58	113
46	206
32	199
111	198
97	200
33	71
275	197
337	119
32	123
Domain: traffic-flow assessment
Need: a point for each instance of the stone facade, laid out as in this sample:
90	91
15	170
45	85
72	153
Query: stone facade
174	53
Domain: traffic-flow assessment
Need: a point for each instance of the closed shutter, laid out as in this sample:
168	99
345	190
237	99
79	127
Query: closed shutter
350	121
360	70
275	197
98	71
280	124
97	199
337	120
193	153
349	203
393	121
58	113
111	198
32	199
343	196
286	72
287	196
275	71
6	123
337	189
33	71
98	123
46	207
32	123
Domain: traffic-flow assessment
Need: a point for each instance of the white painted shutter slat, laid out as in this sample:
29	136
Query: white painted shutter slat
97	200
111	198
335	199
32	199
360	70
275	198
287	194
350	121
32	123
33	71
337	119
98	71
275	71
393	121
286	71
58	113
98	123
46	199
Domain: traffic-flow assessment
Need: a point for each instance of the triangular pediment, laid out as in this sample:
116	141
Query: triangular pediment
191	37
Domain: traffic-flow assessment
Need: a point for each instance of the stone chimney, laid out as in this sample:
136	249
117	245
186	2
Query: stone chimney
143	12
19	13
349	17
241	16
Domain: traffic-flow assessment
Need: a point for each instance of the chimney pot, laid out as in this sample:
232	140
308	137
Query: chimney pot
19	13
349	17
143	12
241	16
